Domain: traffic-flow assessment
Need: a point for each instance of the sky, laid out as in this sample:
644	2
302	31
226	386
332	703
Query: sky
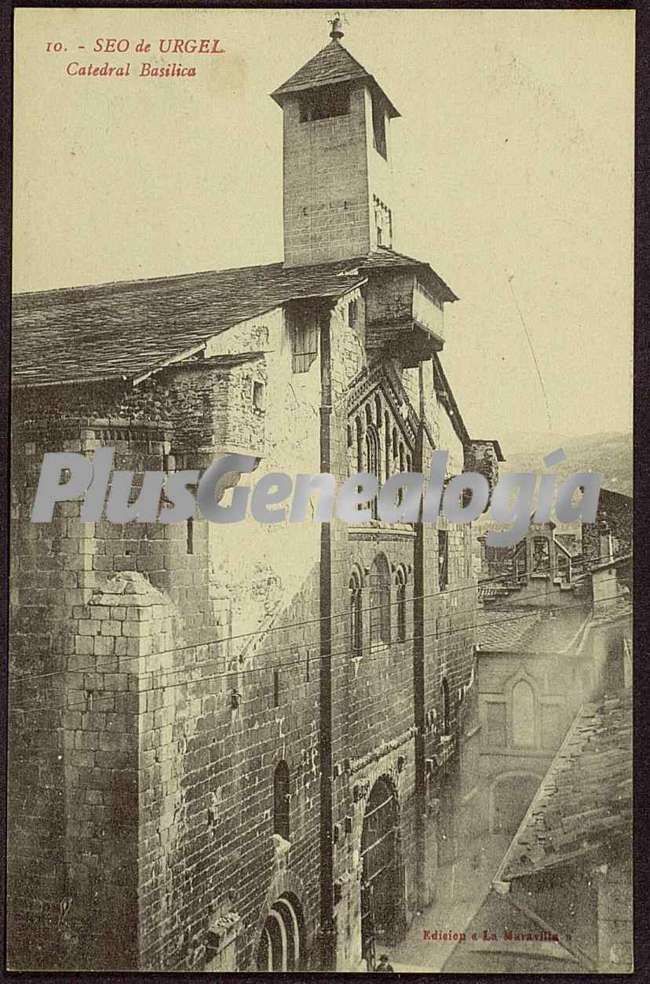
512	170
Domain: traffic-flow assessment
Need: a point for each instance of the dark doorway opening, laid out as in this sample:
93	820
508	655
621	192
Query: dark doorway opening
382	876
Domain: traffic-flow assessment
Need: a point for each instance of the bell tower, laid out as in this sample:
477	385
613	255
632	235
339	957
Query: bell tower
336	165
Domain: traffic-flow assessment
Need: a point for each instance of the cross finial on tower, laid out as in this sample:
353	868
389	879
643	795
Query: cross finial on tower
336	33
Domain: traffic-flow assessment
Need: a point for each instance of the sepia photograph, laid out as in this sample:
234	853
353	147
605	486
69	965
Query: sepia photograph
321	563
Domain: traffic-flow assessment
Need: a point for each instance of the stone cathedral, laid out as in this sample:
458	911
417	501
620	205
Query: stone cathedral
235	747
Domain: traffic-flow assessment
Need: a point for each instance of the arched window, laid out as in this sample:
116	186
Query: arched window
446	707
372	450
373	460
387	445
359	436
379	581
401	605
281	797
356	616
402	468
523	715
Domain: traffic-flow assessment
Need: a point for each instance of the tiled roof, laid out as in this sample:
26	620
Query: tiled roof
331	64
388	259
503	631
555	634
122	329
585	800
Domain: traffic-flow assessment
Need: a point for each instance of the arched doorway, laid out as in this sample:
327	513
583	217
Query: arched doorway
282	942
381	878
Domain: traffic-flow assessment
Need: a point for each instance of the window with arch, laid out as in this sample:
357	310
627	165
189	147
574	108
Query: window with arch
281	799
356	616
401	605
446	707
387	445
523	715
358	429
378	412
373	450
379	599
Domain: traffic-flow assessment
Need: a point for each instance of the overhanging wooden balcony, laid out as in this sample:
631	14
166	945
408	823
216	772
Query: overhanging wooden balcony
407	319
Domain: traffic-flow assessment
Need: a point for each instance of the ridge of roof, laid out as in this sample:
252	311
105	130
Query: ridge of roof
109	285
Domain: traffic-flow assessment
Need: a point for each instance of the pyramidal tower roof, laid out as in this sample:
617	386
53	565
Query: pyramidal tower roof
332	64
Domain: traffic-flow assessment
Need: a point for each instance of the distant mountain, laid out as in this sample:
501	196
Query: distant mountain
609	453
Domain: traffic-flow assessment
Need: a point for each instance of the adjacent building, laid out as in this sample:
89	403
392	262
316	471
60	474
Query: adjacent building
561	900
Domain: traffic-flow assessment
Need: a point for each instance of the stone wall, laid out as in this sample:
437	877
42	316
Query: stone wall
326	199
161	673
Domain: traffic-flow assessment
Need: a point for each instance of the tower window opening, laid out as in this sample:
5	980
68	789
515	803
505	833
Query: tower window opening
379	126
324	102
190	536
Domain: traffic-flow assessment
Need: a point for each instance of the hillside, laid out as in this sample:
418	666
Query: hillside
609	453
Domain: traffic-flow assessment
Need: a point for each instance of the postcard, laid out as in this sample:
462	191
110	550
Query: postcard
321	520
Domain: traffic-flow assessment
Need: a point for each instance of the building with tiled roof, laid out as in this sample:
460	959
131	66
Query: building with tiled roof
584	804
561	899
